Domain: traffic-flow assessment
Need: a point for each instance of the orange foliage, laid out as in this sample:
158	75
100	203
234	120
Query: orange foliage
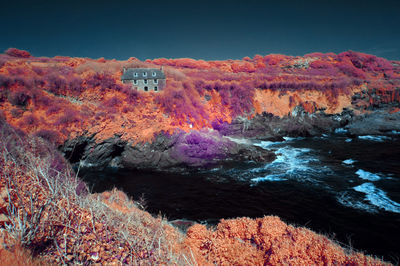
268	241
18	256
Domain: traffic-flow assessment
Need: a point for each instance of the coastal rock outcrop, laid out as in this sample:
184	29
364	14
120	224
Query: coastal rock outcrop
202	148
374	123
193	149
297	124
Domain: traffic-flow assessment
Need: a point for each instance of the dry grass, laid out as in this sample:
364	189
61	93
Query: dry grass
18	256
51	213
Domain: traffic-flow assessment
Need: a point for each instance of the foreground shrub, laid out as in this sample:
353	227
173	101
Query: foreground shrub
49	211
18	256
267	241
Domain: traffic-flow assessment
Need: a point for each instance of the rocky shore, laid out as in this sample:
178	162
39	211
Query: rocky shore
215	146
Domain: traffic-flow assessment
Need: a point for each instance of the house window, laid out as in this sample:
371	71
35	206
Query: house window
145	81
154	74
136	74
135	81
155	88
146	88
155	81
144	74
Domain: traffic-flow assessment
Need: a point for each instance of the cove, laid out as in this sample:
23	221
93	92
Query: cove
310	183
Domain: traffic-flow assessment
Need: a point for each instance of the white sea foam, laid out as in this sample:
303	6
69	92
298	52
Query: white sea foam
268	178
349	140
349	161
367	175
340	130
288	138
291	163
374	138
395	132
265	144
239	140
346	200
291	139
378	197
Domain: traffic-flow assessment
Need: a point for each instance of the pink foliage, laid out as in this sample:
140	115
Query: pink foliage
17	53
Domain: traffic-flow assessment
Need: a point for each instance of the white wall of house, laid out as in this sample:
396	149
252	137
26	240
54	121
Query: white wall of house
155	85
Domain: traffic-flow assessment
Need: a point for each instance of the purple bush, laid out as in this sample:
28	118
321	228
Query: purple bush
75	85
199	148
38	70
16	112
351	71
112	102
56	84
70	116
30	120
41	100
49	135
222	127
3	60
53	109
19	98
4	81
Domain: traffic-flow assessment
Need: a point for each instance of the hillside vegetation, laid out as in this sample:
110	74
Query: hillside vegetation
60	98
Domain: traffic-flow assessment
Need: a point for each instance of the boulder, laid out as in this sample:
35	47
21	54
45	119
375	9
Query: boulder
374	123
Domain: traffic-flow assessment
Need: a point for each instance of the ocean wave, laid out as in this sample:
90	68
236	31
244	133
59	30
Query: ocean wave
367	175
291	163
378	197
374	138
349	140
271	178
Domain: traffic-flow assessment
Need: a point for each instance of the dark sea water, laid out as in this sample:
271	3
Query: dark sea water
348	189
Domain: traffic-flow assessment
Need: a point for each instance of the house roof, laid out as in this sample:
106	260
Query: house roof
143	73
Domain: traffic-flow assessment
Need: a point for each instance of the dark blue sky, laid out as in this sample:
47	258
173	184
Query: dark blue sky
200	29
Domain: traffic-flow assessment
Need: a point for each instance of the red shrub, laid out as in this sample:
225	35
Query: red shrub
70	116
49	135
53	109
19	97
38	70
17	53
41	100
4	81
351	71
56	84
30	120
112	102
16	112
